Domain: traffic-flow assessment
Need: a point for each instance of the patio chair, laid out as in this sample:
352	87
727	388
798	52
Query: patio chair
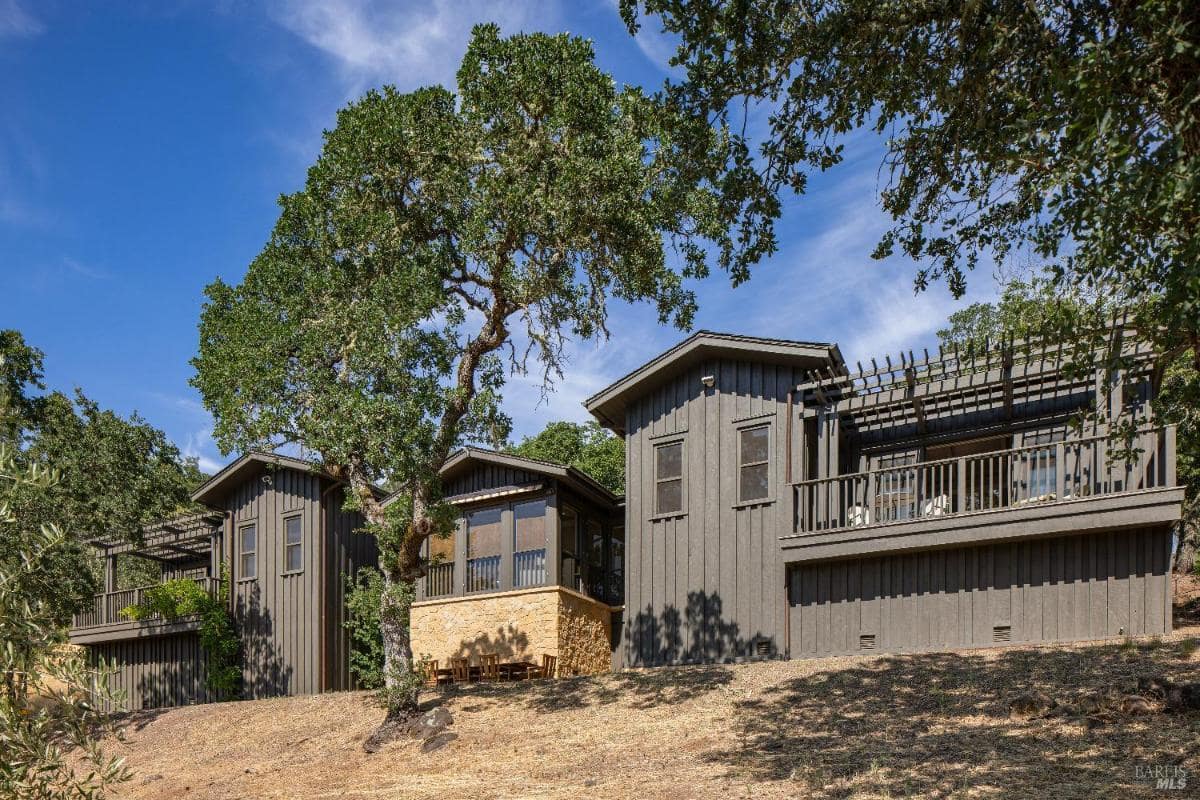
489	668
549	663
431	675
460	670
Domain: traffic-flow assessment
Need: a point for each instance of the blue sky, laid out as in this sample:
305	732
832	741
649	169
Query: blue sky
143	145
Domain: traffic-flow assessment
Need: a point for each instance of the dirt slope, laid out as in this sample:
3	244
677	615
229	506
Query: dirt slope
887	726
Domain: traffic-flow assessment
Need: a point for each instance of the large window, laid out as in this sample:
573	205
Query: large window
529	543
668	478
754	472
293	543
483	550
248	551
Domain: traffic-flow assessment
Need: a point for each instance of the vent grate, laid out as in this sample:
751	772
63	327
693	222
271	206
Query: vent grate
866	641
1002	633
762	647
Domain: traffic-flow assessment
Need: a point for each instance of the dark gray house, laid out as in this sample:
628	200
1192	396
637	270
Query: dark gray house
778	505
278	531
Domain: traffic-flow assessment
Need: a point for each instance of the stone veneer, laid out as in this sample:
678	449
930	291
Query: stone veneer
522	624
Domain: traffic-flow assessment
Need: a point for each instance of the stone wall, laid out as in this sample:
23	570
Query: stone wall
522	624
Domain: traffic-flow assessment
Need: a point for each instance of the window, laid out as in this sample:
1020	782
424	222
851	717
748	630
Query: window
483	550
592	550
668	478
529	543
616	566
569	542
754	472
293	544
441	549
248	551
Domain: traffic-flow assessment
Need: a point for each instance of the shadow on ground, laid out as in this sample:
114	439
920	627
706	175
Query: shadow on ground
938	725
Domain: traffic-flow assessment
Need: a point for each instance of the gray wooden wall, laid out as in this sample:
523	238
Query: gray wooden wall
155	671
1059	589
708	584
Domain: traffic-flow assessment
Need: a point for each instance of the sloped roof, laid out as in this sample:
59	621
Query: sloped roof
608	405
576	479
212	490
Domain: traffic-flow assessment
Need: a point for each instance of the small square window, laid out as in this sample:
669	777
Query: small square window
293	544
248	551
668	472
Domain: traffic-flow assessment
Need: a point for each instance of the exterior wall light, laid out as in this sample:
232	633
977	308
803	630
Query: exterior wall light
709	381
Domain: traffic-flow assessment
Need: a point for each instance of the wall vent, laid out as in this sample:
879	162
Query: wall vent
1001	633
866	641
762	647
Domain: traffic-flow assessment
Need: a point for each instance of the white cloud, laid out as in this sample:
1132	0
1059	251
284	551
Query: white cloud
410	44
16	22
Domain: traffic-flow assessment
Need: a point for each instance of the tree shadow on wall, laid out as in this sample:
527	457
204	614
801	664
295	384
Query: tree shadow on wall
659	639
507	642
938	725
265	671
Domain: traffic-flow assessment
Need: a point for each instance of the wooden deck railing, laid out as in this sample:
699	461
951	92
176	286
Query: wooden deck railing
483	574
1013	478
439	580
529	568
106	607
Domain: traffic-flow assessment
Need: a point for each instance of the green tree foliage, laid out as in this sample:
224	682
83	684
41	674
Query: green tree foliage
587	447
442	240
1063	132
1022	310
51	720
364	597
219	640
115	475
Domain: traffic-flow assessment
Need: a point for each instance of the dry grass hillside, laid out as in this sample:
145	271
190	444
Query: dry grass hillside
867	727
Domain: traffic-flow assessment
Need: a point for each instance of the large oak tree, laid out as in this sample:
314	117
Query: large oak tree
442	239
1067	134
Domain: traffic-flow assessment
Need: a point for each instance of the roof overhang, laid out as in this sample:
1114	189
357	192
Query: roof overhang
472	457
609	404
212	491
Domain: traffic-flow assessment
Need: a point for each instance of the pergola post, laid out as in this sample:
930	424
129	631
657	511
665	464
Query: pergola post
110	572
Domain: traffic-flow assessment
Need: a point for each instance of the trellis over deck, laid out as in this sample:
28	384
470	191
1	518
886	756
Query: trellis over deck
1001	427
184	547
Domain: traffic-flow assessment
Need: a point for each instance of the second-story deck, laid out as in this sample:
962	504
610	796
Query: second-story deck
1077	484
104	620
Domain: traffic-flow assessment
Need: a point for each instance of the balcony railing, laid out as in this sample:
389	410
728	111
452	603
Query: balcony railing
483	574
1014	478
439	581
106	607
529	568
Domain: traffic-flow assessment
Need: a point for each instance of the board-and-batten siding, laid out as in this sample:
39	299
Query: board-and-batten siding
278	614
490	476
155	671
1060	589
707	585
345	552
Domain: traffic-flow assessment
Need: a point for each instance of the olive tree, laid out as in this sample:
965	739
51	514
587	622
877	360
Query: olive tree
442	240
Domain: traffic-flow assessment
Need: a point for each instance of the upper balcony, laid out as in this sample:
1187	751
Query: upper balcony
183	547
103	620
1010	488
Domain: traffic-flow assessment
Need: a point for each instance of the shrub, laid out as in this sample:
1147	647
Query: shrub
364	593
218	636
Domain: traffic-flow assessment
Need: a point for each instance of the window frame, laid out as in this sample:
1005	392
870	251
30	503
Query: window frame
769	497
242	552
286	546
658	445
